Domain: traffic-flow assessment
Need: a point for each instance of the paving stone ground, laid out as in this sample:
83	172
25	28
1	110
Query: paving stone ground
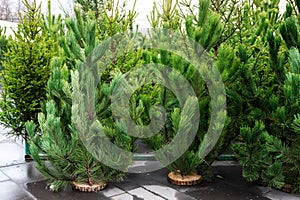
19	180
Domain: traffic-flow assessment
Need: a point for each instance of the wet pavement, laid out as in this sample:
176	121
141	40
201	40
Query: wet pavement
19	180
11	150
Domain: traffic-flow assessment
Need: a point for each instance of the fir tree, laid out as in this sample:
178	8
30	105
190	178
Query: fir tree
27	69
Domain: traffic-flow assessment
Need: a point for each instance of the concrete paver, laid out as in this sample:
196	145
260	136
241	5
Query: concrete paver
277	195
10	154
125	196
144	194
112	191
126	184
167	192
11	150
11	191
3	177
22	173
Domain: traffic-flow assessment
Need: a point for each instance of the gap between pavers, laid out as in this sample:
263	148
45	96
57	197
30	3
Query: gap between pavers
3	177
111	191
22	173
167	192
124	196
144	194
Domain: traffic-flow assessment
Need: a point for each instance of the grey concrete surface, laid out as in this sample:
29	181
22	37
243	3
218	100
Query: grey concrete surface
11	150
19	180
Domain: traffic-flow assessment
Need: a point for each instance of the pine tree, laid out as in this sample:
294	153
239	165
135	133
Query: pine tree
283	145
62	129
263	80
273	145
204	28
26	71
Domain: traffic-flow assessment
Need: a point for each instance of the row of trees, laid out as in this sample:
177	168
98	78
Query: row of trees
254	48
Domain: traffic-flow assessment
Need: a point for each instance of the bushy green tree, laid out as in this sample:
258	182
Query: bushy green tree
270	147
3	45
26	71
61	125
204	27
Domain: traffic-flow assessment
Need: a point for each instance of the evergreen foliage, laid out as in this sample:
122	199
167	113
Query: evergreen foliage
62	128
94	5
269	149
3	45
254	47
26	71
205	29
